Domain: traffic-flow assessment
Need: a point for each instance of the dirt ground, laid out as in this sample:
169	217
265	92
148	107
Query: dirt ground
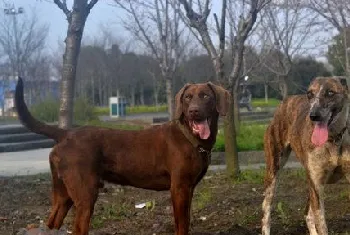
221	206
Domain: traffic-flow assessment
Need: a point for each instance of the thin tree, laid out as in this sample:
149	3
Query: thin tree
22	43
76	22
337	13
240	28
155	23
287	28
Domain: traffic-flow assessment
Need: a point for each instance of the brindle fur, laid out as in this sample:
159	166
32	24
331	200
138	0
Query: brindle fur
291	129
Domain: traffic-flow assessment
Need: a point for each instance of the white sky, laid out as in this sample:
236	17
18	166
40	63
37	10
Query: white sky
102	14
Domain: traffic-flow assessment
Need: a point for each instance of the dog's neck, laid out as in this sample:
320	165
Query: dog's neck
341	122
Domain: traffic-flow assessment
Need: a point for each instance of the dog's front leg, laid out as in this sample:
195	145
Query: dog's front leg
181	195
315	218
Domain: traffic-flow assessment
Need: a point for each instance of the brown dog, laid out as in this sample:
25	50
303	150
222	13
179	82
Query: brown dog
174	156
315	127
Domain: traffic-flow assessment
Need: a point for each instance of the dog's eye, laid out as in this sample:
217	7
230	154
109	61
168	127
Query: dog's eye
205	96
188	97
310	95
330	93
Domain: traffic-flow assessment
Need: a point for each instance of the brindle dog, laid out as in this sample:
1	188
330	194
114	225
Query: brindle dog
315	127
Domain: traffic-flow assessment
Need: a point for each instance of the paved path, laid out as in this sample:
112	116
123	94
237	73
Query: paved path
25	162
37	161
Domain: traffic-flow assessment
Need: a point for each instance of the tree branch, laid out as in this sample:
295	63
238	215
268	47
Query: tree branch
91	4
63	6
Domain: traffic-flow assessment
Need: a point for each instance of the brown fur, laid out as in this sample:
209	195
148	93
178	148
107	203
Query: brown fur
158	158
291	129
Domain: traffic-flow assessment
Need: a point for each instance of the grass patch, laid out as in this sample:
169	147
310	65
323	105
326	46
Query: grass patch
250	177
260	102
109	212
250	138
283	212
249	217
102	111
146	109
202	198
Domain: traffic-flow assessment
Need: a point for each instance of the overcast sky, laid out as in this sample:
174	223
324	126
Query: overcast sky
49	13
102	14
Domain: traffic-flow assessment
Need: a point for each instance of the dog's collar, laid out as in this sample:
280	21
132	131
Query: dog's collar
193	140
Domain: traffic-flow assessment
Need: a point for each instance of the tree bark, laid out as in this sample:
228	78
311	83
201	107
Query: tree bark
266	93
283	86
76	22
132	96
170	98
231	151
142	94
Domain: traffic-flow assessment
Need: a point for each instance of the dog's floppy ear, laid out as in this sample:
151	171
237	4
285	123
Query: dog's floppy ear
222	98
178	101
344	83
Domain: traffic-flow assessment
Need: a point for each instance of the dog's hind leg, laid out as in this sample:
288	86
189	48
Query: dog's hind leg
82	185
61	202
276	156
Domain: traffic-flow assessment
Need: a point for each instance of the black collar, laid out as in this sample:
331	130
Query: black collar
192	139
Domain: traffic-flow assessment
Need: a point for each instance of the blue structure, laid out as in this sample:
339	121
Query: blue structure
34	91
9	85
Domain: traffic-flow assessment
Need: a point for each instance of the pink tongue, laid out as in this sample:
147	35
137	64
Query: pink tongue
319	135
202	129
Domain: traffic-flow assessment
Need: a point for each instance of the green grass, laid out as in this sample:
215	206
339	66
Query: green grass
201	199
250	138
146	109
254	176
260	102
109	212
99	111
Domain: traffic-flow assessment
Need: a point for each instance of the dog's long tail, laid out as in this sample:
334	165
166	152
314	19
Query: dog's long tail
30	122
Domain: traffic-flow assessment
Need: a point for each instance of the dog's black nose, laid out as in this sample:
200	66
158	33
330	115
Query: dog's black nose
193	110
315	116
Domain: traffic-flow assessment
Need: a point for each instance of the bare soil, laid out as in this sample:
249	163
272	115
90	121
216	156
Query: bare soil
221	206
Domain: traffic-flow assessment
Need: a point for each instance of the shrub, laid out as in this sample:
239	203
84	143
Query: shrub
48	110
83	111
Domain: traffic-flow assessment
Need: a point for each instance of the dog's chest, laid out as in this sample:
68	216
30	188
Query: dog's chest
330	157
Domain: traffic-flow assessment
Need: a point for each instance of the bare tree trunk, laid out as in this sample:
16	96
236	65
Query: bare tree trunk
142	94
346	51
100	91
132	96
231	151
93	89
266	93
170	97
283	86
198	20
156	99
76	21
